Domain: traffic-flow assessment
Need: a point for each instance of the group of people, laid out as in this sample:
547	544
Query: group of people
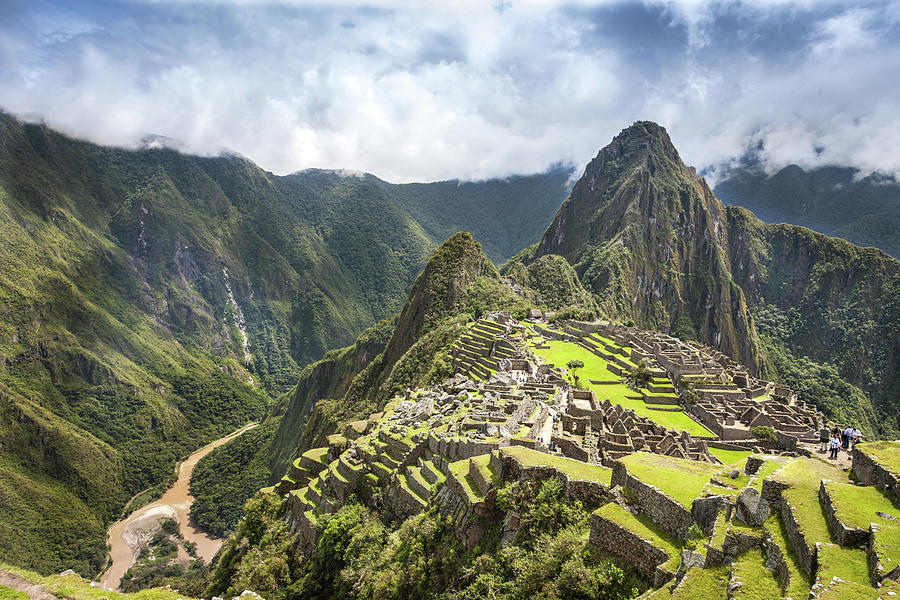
836	439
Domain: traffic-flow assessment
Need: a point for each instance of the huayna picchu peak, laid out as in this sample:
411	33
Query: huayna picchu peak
635	405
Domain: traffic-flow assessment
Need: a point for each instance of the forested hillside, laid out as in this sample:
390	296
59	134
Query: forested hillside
151	301
835	201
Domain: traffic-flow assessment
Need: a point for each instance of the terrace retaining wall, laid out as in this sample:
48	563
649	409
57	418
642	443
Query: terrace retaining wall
646	557
842	534
870	472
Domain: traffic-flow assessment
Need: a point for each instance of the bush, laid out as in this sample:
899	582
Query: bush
765	433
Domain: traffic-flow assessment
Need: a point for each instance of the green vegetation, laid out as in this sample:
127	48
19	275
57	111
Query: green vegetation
764	433
224	479
832	200
847	563
709	584
798	586
11	594
121	290
858	506
560	352
73	587
758	583
644	528
357	556
730	457
681	479
573	468
886	454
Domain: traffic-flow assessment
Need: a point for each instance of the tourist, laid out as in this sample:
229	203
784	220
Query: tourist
824	438
845	437
855	437
835	446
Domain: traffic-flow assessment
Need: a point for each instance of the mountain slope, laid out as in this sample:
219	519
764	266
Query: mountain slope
151	301
832	200
647	235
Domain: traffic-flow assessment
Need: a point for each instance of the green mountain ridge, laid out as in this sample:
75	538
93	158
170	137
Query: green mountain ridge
151	301
833	200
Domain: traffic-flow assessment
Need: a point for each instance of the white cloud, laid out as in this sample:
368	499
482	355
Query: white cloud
410	91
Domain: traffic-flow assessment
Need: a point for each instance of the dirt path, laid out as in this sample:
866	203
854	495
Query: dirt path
125	537
35	591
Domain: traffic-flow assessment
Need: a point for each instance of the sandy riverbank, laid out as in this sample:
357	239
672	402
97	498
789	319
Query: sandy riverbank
125	537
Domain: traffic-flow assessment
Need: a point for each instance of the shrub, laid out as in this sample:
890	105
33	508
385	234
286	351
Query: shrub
765	433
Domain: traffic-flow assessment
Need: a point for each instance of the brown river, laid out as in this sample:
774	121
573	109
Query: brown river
127	536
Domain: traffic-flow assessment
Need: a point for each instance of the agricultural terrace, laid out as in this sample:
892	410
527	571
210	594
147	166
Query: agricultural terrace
560	353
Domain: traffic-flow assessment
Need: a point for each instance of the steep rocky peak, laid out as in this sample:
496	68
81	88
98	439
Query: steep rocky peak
439	288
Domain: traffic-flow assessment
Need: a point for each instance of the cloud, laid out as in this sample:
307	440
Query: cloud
469	89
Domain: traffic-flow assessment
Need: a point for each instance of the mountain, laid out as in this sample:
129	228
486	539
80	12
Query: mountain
151	301
835	201
648	236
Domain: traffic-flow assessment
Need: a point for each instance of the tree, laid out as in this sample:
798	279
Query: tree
573	366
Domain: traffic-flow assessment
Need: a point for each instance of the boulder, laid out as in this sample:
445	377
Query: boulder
751	508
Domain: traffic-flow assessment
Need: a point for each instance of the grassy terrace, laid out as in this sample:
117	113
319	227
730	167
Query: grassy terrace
758	582
681	479
708	584
74	587
561	353
644	528
460	471
803	475
573	468
317	454
798	587
849	564
856	506
730	457
886	454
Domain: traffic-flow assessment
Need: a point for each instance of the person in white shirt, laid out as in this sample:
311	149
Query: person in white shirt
835	445
855	437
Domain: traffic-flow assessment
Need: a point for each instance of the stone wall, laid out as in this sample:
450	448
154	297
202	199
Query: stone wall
591	493
806	552
667	513
639	552
771	490
870	472
842	534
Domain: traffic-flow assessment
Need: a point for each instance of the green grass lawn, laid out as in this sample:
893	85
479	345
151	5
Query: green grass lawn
798	586
730	457
708	584
849	564
643	527
856	506
803	475
758	582
886	454
681	479
573	468
561	353
74	587
317	454
11	594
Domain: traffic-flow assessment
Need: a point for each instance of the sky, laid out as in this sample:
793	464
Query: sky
419	91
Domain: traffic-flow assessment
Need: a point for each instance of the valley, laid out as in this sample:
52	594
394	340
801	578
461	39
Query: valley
128	537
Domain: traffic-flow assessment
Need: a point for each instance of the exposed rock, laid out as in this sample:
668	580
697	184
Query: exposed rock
751	508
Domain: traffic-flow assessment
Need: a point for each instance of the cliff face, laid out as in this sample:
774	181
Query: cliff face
649	237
